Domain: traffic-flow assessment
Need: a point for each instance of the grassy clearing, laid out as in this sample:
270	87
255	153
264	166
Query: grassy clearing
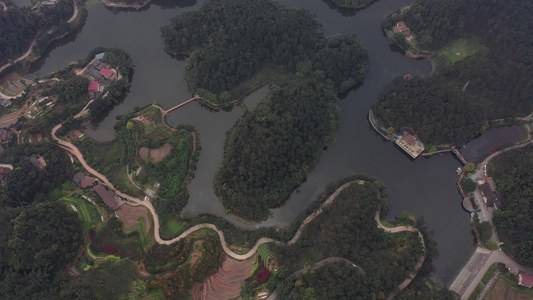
172	228
489	273
477	292
89	214
272	74
461	49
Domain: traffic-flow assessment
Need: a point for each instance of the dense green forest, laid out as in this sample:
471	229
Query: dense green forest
239	38
269	151
347	229
500	81
20	26
282	138
513	175
36	243
26	184
353	3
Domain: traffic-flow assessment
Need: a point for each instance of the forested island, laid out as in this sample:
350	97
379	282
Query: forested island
512	173
242	46
353	3
482	53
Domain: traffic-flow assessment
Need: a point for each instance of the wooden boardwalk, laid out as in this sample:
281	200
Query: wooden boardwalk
182	104
459	155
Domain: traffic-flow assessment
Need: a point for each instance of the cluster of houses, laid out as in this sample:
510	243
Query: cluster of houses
101	75
39	106
109	197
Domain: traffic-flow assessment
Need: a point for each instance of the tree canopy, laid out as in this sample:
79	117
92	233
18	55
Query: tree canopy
19	26
442	108
35	244
513	175
269	151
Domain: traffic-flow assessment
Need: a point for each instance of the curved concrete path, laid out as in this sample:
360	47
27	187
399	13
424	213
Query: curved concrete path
137	201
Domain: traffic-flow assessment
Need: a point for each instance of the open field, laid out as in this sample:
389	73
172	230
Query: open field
89	214
461	49
226	283
131	215
507	289
155	155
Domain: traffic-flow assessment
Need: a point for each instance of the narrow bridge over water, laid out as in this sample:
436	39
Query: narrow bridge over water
182	104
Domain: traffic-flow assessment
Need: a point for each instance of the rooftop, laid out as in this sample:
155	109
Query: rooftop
401	27
488	195
411	144
93	86
107	73
525	280
106	195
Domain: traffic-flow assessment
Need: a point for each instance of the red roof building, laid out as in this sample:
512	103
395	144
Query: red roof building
87	182
525	280
93	86
409	139
401	27
107	73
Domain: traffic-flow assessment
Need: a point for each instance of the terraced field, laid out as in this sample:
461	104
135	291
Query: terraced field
226	283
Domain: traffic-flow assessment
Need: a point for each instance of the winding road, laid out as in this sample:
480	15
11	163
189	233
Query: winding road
30	49
138	201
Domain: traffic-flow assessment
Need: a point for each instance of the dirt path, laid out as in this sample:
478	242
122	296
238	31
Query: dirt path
17	60
137	201
75	14
421	260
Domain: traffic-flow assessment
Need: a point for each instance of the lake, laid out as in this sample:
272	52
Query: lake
425	187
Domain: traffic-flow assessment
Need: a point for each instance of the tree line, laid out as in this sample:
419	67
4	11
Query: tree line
500	82
19	26
513	175
347	228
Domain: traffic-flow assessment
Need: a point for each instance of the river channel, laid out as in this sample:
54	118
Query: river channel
425	187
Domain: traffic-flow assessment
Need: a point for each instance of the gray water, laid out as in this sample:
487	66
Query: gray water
425	187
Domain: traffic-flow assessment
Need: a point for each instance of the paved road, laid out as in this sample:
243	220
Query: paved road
477	266
470	276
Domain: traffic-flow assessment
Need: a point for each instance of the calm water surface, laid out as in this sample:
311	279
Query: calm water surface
425	187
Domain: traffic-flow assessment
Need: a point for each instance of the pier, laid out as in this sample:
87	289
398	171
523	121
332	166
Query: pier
459	155
182	104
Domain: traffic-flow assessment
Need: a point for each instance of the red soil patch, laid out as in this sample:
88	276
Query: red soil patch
155	155
143	119
129	215
35	138
226	283
60	108
142	270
